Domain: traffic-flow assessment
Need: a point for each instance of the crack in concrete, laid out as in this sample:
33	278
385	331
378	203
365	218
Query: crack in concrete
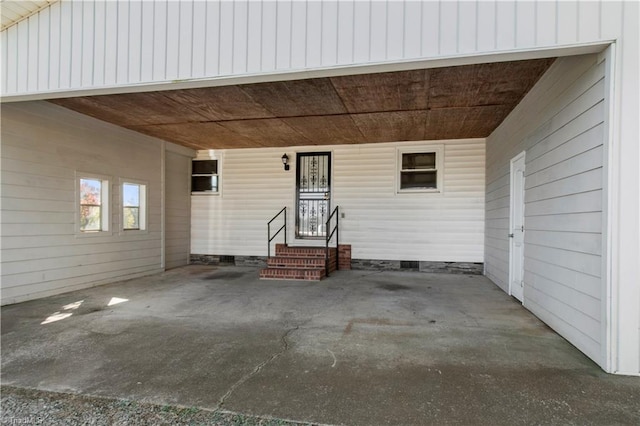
257	369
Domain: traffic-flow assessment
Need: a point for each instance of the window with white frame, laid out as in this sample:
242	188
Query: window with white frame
420	169
204	177
93	204
134	205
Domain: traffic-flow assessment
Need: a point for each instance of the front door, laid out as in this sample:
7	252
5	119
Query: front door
313	193
516	229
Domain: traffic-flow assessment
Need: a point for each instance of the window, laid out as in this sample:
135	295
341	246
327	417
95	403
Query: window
420	170
204	176
93	201
134	201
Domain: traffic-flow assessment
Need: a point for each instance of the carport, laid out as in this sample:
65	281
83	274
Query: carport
364	347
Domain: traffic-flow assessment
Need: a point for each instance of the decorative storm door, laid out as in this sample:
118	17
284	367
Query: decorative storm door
313	193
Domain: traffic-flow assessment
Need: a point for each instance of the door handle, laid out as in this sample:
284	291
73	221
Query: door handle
510	235
326	195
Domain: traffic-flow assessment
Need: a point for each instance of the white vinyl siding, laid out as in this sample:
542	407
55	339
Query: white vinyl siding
378	222
83	45
178	209
43	146
560	125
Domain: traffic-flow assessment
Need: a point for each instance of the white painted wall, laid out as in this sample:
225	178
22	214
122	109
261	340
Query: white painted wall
79	45
43	145
177	171
561	126
379	223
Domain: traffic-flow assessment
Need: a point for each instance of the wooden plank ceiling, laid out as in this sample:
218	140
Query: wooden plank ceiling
442	103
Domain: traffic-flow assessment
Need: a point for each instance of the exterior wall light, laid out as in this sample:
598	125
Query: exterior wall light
285	161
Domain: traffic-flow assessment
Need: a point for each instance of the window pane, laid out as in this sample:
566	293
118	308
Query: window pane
418	180
131	195
419	160
204	183
131	218
90	219
204	167
90	191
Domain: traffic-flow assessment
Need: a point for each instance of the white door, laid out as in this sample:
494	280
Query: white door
516	229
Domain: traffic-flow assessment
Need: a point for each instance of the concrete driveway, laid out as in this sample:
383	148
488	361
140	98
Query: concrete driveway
360	348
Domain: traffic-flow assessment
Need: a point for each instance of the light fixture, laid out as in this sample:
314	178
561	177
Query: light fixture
285	161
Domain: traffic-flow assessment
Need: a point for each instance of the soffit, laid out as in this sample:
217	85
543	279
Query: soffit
441	103
13	11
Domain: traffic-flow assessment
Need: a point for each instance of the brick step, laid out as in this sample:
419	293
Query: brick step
296	262
299	263
299	252
292	274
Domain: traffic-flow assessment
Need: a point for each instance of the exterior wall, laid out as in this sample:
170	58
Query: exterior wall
91	45
377	222
43	146
178	209
561	126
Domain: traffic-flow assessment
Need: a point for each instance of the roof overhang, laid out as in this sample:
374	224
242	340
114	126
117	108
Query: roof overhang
13	11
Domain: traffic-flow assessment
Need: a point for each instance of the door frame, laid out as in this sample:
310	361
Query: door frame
300	154
512	208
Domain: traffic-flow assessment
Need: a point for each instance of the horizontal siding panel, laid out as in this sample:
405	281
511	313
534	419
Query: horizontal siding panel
50	264
575	203
43	194
44	146
49	288
53	252
574	241
583	182
27	218
560	126
64	240
586	161
40	278
585	142
588	264
23	230
565	322
34	181
379	223
591	118
590	222
583	283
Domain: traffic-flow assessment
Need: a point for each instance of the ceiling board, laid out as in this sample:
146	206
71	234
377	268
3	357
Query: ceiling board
392	126
220	103
197	135
484	84
314	96
442	103
327	130
466	122
133	109
391	91
266	132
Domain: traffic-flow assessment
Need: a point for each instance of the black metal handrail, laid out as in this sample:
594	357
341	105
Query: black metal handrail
269	237
329	235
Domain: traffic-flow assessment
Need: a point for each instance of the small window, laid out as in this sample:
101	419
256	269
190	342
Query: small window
420	170
93	200
134	200
204	176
